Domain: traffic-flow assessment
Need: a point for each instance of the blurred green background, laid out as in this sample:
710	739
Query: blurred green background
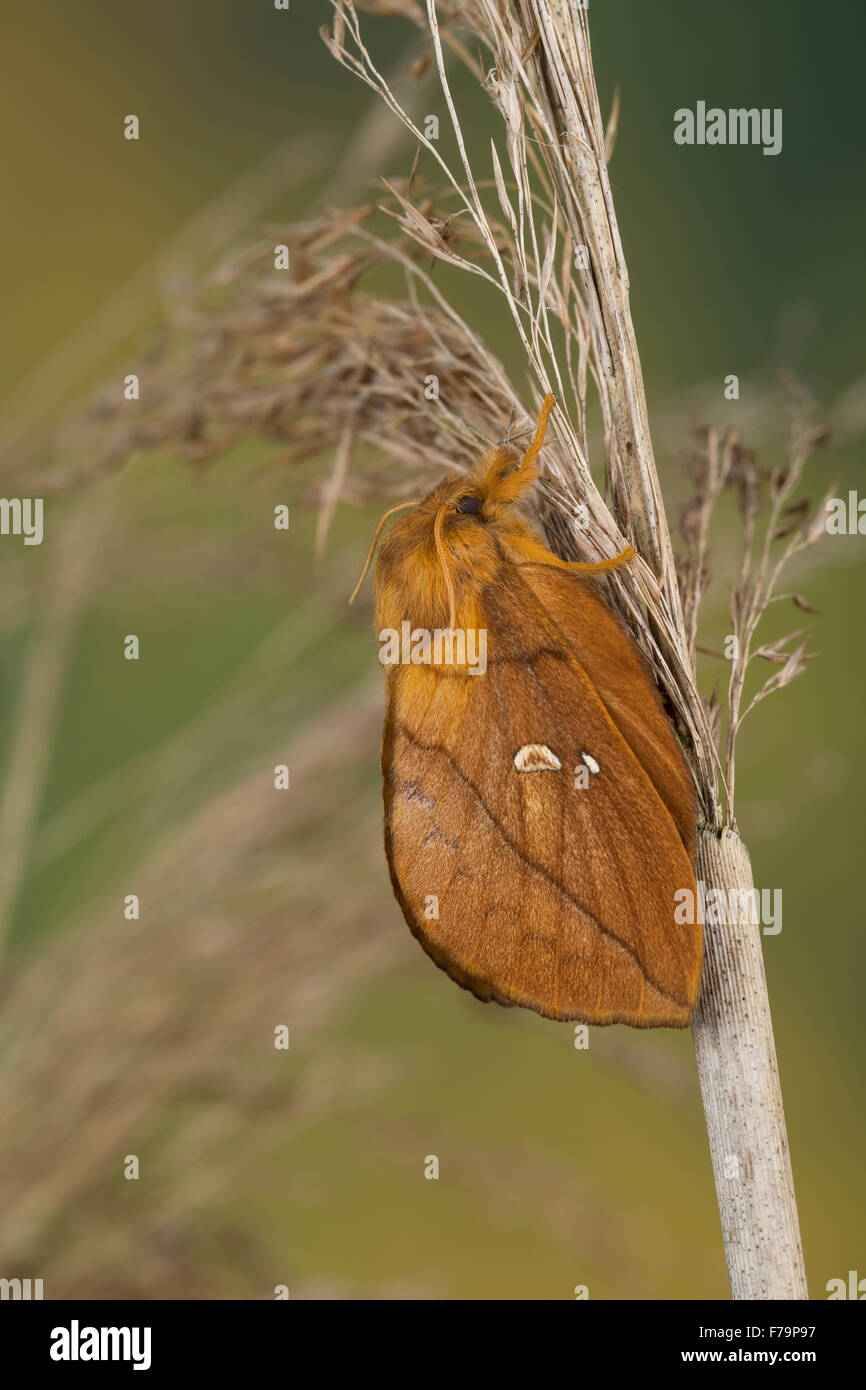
261	1167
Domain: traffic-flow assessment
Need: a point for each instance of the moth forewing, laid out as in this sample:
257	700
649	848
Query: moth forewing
529	885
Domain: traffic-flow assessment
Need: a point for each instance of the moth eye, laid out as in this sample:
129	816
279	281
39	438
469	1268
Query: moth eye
472	505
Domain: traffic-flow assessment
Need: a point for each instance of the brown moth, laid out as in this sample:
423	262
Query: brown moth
539	812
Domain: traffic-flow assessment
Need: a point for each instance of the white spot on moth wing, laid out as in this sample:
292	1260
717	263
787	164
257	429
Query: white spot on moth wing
536	757
591	764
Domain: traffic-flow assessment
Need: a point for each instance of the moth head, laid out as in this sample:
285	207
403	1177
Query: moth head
452	530
498	482
496	486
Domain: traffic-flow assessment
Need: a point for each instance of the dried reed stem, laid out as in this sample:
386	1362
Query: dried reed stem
742	1097
732	1031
